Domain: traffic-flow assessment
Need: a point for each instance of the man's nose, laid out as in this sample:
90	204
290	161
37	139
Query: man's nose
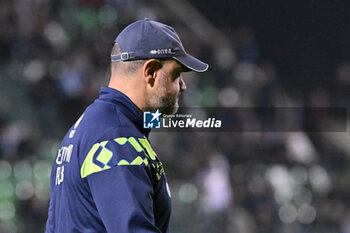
182	85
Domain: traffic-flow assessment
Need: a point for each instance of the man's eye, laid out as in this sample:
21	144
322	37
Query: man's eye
176	75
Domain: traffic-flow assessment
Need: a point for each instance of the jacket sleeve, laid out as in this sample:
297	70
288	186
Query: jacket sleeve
124	199
120	182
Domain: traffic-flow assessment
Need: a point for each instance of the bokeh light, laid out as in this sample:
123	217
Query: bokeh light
24	190
287	213
5	169
188	193
7	210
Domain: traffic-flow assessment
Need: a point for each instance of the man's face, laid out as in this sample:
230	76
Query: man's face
167	88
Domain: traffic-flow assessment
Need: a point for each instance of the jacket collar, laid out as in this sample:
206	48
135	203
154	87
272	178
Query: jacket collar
127	107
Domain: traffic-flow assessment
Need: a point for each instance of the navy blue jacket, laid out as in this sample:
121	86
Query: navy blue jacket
106	176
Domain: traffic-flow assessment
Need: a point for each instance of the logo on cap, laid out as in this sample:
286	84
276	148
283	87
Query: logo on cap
160	51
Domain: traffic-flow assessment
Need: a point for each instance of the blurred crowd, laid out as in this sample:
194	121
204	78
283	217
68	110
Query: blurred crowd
54	58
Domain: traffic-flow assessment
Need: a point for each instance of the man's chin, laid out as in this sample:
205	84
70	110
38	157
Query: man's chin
170	110
176	108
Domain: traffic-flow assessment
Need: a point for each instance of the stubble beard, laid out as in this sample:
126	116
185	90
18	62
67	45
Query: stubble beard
165	104
169	104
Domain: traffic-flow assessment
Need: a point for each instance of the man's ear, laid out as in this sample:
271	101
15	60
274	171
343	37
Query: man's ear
149	70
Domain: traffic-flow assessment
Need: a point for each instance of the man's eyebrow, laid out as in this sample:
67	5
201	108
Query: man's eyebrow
180	68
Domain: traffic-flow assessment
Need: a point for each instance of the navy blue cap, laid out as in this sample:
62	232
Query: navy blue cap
146	39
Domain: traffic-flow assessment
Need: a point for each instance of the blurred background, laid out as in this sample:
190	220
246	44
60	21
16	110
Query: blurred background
54	56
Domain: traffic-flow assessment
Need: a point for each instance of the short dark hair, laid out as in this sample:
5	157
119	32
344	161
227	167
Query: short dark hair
126	66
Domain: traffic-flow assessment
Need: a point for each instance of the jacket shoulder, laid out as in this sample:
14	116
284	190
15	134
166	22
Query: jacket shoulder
119	151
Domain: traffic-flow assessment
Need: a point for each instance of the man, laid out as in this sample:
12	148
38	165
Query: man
106	176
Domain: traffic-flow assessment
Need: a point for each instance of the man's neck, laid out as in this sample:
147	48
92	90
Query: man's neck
129	88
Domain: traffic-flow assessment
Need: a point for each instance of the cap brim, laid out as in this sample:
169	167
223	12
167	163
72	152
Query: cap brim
191	63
